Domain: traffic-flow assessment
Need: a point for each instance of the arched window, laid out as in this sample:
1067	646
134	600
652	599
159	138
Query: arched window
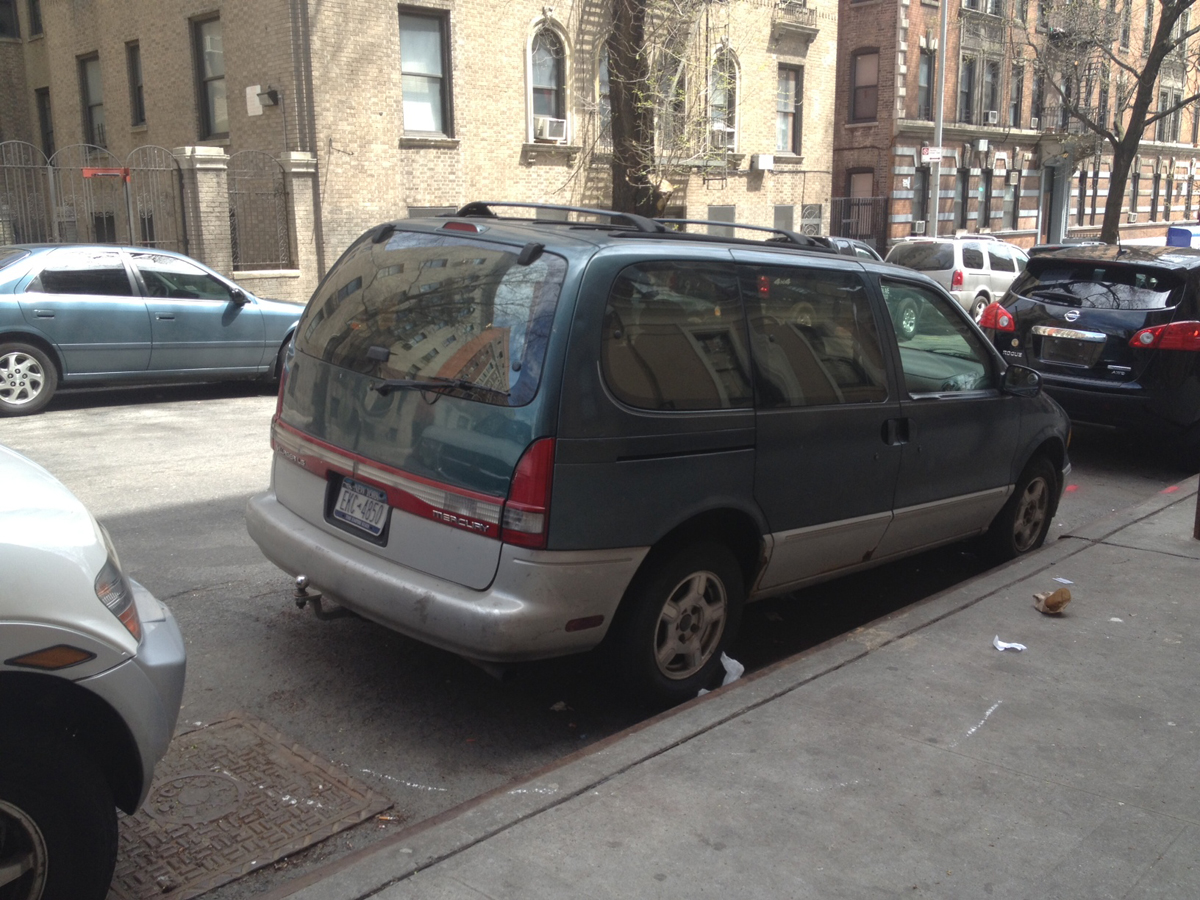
722	101
548	85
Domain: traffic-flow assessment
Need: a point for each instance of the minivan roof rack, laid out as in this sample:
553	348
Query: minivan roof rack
483	209
782	235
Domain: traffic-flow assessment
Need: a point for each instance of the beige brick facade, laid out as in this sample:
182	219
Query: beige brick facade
336	66
1027	182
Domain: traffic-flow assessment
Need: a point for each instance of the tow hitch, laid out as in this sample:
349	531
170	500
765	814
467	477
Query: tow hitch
302	596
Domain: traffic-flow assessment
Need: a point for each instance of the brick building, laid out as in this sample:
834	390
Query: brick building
1014	163
424	106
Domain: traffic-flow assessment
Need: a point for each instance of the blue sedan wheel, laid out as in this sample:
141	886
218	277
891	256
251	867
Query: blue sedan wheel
27	379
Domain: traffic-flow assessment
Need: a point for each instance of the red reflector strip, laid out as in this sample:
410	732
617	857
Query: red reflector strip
585	623
477	513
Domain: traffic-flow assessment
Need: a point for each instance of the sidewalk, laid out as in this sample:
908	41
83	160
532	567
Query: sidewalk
907	758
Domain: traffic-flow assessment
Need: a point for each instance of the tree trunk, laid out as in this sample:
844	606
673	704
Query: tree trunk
631	98
1118	179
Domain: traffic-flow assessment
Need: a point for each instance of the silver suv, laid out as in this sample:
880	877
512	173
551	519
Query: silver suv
975	270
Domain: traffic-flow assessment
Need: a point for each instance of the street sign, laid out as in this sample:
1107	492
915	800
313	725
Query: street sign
931	154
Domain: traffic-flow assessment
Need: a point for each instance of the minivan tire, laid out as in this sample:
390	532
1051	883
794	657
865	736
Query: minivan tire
28	379
1022	524
57	810
675	622
978	305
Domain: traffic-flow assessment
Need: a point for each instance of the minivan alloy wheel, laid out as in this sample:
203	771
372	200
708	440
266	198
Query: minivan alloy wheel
690	625
23	855
1033	508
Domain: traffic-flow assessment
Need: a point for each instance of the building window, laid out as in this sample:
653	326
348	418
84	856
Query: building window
137	98
1037	101
210	72
35	17
722	214
789	109
1135	186
920	200
962	197
92	92
970	4
1166	129
603	102
864	104
1148	29
1102	102
45	120
547	55
1016	96
925	82
722	100
1081	210
423	75
966	90
1012	204
991	93
1155	185
785	217
9	27
995	7
985	205
1126	24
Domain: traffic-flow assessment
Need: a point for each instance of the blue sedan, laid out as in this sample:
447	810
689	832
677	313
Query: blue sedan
86	314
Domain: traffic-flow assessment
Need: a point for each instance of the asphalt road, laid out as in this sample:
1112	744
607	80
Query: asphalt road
169	471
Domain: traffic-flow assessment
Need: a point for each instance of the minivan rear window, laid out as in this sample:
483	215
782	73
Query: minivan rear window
923	256
428	306
1099	285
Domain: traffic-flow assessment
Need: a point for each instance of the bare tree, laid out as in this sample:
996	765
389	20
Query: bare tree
1106	87
671	99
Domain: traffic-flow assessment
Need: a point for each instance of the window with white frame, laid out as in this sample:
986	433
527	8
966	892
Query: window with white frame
603	102
548	85
210	78
722	101
864	103
424	72
788	106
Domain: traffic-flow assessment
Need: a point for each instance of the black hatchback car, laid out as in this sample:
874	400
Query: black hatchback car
515	437
1115	334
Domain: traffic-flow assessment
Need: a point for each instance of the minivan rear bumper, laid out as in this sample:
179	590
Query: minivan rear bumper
522	615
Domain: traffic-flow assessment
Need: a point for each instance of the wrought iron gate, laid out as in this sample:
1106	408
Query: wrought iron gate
864	218
84	193
258	212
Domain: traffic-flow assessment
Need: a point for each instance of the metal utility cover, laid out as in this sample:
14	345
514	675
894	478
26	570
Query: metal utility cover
229	798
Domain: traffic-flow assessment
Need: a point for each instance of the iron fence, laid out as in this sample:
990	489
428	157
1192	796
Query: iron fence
864	218
258	212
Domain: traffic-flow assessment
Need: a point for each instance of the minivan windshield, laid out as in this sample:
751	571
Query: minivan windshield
438	312
1099	285
924	256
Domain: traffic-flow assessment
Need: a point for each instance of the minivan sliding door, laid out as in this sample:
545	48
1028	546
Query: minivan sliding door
826	468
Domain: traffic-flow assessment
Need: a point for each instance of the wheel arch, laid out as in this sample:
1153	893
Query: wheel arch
61	708
35	340
732	527
1052	448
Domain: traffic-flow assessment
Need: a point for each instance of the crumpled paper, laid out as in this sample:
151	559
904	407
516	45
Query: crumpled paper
1005	645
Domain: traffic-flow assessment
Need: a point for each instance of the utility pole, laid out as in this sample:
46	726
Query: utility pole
939	115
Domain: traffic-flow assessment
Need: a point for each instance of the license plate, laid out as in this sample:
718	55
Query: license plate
362	506
1065	350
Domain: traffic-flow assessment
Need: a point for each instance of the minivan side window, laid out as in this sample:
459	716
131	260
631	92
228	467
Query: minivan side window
675	338
815	339
972	255
943	354
1000	258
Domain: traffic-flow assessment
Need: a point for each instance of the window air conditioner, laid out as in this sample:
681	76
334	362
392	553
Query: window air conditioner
1034	123
1131	218
722	136
1014	176
546	128
993	117
918	226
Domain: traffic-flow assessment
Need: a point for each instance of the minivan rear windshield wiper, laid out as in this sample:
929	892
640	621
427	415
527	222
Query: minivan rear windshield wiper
1051	294
434	383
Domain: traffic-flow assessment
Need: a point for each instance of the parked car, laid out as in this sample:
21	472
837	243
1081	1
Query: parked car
1115	333
521	439
91	677
1068	243
854	247
84	314
976	270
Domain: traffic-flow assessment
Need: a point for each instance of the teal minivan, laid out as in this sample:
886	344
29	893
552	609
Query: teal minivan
517	437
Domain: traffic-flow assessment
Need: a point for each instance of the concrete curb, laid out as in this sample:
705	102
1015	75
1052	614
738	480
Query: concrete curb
376	867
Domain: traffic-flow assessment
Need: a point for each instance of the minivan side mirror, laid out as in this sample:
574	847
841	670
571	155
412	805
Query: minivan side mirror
1021	381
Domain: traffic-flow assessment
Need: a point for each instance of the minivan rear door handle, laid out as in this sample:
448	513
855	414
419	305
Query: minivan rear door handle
895	432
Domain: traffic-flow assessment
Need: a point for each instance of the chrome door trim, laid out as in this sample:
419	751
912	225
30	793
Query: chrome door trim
814	550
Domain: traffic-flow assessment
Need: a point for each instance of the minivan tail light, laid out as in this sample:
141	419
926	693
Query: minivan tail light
1176	336
956	280
527	511
997	318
